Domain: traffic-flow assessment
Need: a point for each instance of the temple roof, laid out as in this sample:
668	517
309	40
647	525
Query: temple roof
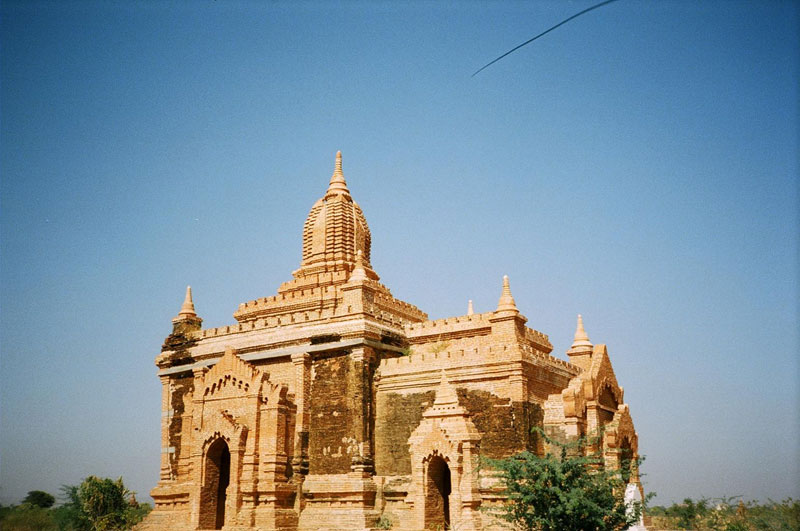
335	231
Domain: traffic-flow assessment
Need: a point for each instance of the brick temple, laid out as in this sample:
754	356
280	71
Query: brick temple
333	405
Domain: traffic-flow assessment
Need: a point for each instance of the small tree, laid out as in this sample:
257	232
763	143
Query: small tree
69	515
39	498
103	501
99	505
568	490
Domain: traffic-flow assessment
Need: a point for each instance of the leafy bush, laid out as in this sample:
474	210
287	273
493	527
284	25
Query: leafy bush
103	502
569	490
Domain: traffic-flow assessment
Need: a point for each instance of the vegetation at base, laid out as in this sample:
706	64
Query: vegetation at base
728	514
26	517
384	522
94	505
567	489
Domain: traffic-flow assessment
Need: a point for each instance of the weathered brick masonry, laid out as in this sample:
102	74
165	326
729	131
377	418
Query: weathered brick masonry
333	405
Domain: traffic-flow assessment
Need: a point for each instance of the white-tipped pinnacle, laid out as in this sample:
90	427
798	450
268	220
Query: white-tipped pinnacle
581	340
187	308
506	302
470	310
338	184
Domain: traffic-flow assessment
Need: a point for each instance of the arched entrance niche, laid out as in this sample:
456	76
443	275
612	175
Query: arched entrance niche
437	493
216	478
444	451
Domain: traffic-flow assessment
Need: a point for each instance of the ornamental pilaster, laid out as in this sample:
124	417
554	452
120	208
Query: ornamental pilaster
302	392
359	387
166	472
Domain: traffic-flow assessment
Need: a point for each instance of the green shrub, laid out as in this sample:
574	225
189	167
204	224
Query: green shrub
567	490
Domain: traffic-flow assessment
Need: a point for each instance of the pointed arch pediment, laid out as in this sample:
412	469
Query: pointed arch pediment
444	437
435	442
597	383
232	376
601	376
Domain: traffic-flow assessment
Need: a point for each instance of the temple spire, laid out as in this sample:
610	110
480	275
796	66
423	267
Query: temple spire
470	310
506	302
581	340
187	308
338	184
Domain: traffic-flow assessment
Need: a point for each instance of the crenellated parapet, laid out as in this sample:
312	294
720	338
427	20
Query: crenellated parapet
314	298
473	327
449	328
384	300
433	358
298	301
318	280
539	357
542	341
437	360
466	326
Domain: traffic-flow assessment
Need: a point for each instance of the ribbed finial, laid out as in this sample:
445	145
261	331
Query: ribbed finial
187	308
506	302
470	311
338	184
581	340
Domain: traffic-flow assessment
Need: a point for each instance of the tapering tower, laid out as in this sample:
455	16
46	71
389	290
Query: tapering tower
335	232
335	277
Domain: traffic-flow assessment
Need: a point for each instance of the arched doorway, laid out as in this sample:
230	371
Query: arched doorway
437	494
217	479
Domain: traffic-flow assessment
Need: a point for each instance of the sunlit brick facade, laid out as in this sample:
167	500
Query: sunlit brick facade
334	405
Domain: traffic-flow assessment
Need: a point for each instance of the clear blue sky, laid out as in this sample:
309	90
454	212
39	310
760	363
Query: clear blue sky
638	165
